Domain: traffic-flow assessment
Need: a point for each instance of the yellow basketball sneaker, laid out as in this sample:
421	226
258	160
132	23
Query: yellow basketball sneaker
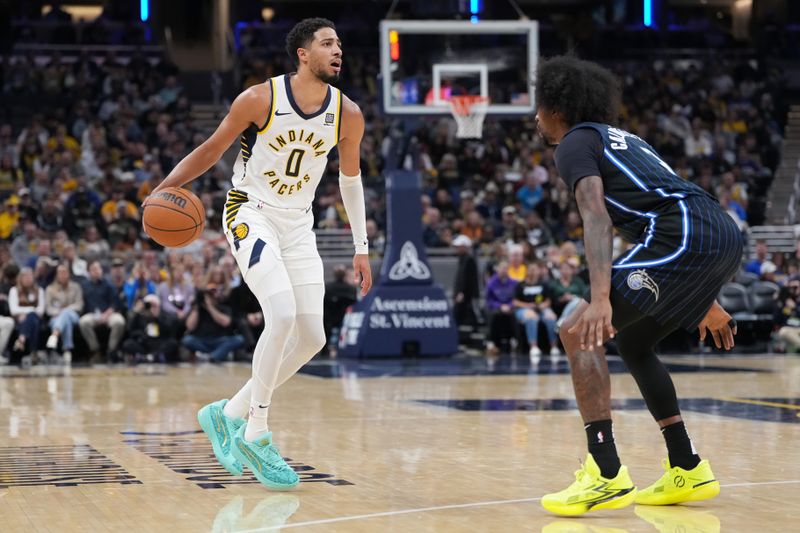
591	491
678	485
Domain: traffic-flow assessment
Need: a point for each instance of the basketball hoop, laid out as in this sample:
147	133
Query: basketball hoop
469	111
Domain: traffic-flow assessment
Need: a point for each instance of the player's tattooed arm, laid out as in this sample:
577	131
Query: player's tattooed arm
594	325
597	234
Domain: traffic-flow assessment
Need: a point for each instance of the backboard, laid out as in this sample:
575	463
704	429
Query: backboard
424	63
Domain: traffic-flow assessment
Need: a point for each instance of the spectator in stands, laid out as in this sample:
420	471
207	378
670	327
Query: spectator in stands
466	286
152	333
11	178
78	267
698	142
489	204
100	310
339	295
81	210
26	305
63	303
567	290
431	229
737	192
218	277
176	293
573	228
45	271
568	252
138	286
768	271
530	194
736	211
247	314
538	232
499	302
51	216
119	215
43	249
375	238
7	322
210	326
473	227
508	223
532	305
516	264
117	278
789	316
24	245
230	271
92	246
754	265
10	217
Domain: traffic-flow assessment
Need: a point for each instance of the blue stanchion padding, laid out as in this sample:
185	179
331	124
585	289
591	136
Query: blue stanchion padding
393	321
405	261
406	312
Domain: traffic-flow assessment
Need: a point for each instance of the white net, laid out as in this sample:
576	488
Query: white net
469	112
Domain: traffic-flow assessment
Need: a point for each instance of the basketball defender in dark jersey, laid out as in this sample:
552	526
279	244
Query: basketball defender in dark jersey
684	248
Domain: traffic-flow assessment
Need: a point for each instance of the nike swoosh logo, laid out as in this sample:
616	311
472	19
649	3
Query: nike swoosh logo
279	114
263	406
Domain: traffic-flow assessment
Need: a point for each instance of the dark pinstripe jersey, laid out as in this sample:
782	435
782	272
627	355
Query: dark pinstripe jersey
682	237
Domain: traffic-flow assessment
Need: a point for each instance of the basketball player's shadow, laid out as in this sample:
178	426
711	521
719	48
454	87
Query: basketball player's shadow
271	512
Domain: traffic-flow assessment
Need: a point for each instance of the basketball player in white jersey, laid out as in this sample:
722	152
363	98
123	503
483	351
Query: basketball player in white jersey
286	128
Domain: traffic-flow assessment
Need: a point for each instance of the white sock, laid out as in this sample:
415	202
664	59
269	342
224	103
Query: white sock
256	422
238	405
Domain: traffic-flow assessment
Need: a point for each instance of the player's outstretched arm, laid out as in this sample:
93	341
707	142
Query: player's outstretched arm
352	190
250	107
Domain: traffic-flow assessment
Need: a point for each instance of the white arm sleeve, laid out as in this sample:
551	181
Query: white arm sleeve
353	199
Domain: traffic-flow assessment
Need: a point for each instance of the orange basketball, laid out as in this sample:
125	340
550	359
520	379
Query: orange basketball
173	217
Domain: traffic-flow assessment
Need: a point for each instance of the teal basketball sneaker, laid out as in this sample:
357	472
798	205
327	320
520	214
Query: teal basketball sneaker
220	430
264	459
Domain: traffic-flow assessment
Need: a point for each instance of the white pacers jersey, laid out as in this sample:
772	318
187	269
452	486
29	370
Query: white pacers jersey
282	163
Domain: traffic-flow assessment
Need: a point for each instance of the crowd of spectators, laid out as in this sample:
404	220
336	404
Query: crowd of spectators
84	139
82	142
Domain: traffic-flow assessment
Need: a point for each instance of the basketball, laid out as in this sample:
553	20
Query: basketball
174	217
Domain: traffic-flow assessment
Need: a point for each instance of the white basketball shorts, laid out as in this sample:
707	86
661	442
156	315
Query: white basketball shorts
251	225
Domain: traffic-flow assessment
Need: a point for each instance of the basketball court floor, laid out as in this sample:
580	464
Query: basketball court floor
453	445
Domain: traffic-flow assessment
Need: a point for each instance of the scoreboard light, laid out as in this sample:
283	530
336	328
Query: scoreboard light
394	45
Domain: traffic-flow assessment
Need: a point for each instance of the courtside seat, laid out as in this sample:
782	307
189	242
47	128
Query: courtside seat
734	299
764	299
746	278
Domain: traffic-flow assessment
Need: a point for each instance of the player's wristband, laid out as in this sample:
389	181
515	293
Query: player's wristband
353	199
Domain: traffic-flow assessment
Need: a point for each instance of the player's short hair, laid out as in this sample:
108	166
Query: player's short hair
581	91
303	33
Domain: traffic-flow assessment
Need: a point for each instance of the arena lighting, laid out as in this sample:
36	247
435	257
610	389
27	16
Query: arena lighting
144	10
474	9
394	45
648	13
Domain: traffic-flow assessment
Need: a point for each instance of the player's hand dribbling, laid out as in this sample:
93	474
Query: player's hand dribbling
362	272
721	326
593	324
